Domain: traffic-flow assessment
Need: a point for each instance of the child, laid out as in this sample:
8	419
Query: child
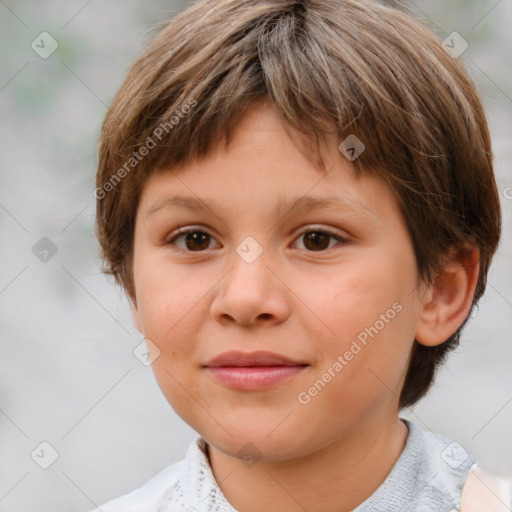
332	161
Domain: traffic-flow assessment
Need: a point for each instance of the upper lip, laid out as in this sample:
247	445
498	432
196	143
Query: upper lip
258	358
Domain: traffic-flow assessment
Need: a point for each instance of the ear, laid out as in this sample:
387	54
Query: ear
447	302
136	317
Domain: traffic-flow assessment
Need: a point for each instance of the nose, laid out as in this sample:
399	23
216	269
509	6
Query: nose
251	292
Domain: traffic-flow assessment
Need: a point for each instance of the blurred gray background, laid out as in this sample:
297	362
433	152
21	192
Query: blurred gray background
68	376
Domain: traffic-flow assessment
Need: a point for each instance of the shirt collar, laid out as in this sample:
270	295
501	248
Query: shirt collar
422	473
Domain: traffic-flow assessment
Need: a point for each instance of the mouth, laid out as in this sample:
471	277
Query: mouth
253	371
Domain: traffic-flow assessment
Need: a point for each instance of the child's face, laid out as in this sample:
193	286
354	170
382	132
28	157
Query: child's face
305	297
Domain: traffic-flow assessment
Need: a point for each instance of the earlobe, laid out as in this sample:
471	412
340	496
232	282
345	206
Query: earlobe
447	302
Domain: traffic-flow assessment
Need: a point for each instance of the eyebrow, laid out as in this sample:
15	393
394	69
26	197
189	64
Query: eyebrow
281	207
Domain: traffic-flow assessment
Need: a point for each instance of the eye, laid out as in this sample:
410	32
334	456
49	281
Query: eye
318	240
195	240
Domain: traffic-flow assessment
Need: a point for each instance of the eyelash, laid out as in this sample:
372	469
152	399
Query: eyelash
183	231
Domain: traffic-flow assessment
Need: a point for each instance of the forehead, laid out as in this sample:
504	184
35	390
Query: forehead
262	168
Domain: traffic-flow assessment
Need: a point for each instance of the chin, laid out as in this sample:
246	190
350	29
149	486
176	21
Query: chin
251	445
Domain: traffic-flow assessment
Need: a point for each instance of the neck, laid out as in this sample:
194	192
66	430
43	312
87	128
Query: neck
339	477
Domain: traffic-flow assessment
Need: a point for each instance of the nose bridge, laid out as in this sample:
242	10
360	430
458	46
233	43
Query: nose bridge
250	290
249	250
250	270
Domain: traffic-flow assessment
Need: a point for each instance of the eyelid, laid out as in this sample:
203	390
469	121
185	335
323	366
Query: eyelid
323	229
187	229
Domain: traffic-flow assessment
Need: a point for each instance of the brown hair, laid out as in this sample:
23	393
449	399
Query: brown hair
329	67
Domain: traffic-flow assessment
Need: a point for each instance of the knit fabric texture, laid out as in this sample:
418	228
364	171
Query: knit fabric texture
428	477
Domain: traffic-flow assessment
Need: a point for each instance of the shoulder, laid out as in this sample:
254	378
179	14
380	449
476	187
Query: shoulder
444	457
148	496
188	485
457	476
436	469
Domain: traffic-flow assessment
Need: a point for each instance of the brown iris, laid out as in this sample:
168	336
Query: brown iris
319	240
197	240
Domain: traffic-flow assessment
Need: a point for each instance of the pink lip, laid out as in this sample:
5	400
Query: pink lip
253	377
254	370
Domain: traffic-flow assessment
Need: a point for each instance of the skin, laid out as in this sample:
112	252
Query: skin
294	299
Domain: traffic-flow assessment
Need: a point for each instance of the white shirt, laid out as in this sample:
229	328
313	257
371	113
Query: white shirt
428	477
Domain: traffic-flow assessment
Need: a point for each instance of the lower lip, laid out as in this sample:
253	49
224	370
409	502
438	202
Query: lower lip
253	377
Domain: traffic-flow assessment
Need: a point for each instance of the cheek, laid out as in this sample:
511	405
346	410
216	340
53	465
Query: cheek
168	304
355	299
371	310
